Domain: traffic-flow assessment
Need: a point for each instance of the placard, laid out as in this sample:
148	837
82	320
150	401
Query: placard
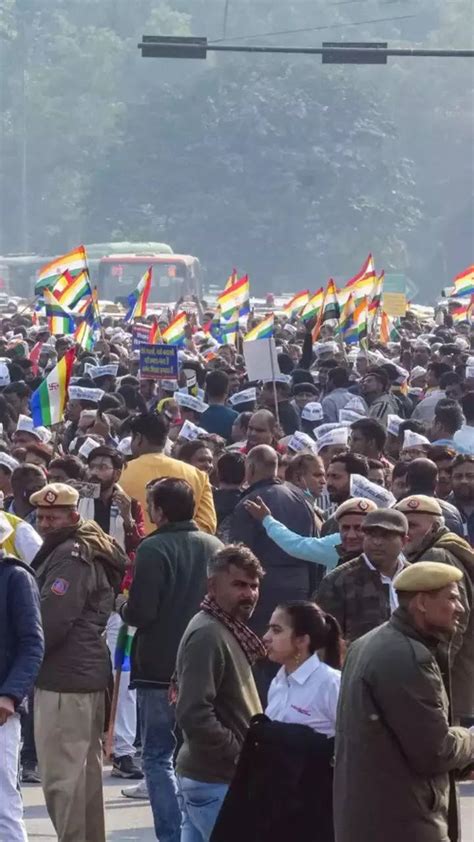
261	359
363	487
395	303
140	336
159	362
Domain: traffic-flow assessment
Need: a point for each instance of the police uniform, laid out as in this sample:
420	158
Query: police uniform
78	569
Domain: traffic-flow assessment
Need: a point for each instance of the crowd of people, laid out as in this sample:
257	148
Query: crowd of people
257	593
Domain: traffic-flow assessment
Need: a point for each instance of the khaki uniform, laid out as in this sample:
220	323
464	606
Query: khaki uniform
79	570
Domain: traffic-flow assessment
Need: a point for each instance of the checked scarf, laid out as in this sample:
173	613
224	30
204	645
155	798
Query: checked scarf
252	646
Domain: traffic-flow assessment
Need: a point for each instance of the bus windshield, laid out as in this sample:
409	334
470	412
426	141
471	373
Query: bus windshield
117	279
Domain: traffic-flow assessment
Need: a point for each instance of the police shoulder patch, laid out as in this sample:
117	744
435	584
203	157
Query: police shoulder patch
60	587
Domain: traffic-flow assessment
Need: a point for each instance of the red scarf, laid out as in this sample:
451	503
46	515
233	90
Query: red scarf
252	646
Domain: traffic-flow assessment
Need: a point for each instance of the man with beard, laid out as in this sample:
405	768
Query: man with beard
79	570
338	482
121	517
462	496
217	696
428	538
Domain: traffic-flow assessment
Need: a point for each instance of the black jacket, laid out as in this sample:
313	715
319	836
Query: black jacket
21	633
285	577
167	589
282	788
289	418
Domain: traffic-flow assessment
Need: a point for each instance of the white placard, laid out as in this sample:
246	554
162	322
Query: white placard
362	487
261	359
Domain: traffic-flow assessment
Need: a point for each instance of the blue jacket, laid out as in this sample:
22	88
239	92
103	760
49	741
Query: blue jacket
21	633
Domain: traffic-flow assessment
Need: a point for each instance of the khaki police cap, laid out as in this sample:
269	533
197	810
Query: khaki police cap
355	506
387	519
55	494
426	576
419	504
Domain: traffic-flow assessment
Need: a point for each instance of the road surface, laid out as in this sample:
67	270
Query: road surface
130	821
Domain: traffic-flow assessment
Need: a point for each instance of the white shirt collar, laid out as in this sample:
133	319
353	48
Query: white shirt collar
300	675
387	580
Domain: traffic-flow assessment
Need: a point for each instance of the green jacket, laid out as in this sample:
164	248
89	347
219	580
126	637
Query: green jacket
217	698
168	586
396	753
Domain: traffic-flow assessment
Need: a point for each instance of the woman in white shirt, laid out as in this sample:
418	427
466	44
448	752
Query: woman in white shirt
306	688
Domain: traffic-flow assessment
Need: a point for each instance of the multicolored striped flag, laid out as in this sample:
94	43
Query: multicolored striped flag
72	291
295	305
462	313
60	319
174	333
346	321
123	648
74	262
464	283
49	400
229	327
330	308
234	297
362	283
375	302
314	305
155	333
137	301
264	330
358	331
34	357
84	336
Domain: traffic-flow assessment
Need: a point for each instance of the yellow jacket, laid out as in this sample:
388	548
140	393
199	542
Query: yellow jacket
139	472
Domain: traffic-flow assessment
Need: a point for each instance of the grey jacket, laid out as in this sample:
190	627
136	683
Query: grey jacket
395	750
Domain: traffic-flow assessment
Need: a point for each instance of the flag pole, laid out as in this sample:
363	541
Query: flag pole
109	740
275	395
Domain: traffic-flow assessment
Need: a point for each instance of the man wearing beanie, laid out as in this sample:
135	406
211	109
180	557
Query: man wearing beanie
396	752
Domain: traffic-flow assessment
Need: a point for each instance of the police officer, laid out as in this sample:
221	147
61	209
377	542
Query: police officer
79	570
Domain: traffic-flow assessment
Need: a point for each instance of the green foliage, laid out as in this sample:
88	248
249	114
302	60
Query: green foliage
287	168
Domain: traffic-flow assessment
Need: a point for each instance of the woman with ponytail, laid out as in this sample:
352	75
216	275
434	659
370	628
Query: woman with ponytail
282	788
306	688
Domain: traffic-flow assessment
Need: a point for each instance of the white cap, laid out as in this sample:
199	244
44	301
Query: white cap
8	462
169	385
329	347
125	446
246	396
411	439
87	446
327	428
312	411
301	441
340	435
279	378
393	424
190	402
96	371
25	424
290	328
82	393
417	371
190	431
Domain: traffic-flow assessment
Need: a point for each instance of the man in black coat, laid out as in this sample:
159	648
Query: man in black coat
21	653
285	577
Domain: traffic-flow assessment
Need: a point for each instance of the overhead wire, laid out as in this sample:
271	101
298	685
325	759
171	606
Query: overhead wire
313	28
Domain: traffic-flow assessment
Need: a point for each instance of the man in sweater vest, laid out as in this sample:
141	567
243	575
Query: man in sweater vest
216	686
